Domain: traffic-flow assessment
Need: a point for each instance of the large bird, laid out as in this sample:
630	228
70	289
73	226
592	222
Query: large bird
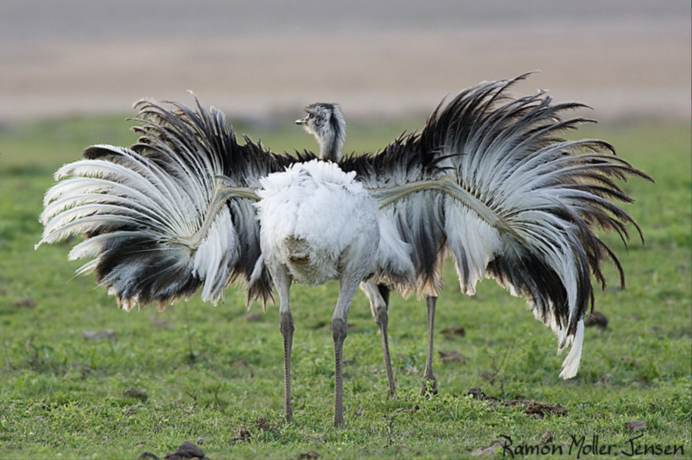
488	179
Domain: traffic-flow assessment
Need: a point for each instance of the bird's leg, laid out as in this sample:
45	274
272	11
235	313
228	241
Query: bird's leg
287	329
428	373
348	288
378	294
339	331
282	280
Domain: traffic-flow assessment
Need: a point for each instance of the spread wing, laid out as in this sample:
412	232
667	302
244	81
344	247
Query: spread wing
169	215
490	180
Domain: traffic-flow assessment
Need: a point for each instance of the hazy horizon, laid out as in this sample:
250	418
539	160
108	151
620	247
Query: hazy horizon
625	58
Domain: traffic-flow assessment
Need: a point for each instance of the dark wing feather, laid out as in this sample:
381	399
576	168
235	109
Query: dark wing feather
150	215
419	218
524	203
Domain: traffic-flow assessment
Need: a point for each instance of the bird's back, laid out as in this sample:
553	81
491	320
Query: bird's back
316	220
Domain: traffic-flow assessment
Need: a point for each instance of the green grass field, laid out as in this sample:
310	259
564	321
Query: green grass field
216	373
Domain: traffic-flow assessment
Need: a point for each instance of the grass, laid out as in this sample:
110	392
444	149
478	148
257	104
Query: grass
211	373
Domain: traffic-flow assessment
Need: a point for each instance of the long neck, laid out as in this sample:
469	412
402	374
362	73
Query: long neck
332	141
330	148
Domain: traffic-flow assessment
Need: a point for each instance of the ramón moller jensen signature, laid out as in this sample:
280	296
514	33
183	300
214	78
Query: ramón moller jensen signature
579	447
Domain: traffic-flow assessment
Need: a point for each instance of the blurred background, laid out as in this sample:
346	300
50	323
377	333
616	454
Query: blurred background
628	59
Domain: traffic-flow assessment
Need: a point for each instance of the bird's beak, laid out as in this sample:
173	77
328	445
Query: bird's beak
302	121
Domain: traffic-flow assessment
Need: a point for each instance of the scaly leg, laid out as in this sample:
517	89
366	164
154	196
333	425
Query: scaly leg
378	294
282	280
428	373
348	288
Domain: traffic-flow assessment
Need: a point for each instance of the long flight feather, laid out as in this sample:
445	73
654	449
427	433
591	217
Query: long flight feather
521	203
169	215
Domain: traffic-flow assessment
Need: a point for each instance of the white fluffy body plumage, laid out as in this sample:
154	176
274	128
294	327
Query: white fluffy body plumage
313	216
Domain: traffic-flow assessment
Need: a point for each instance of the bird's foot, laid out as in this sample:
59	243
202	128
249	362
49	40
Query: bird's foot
288	415
428	388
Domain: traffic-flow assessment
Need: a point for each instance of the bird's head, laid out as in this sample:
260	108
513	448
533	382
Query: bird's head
327	124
